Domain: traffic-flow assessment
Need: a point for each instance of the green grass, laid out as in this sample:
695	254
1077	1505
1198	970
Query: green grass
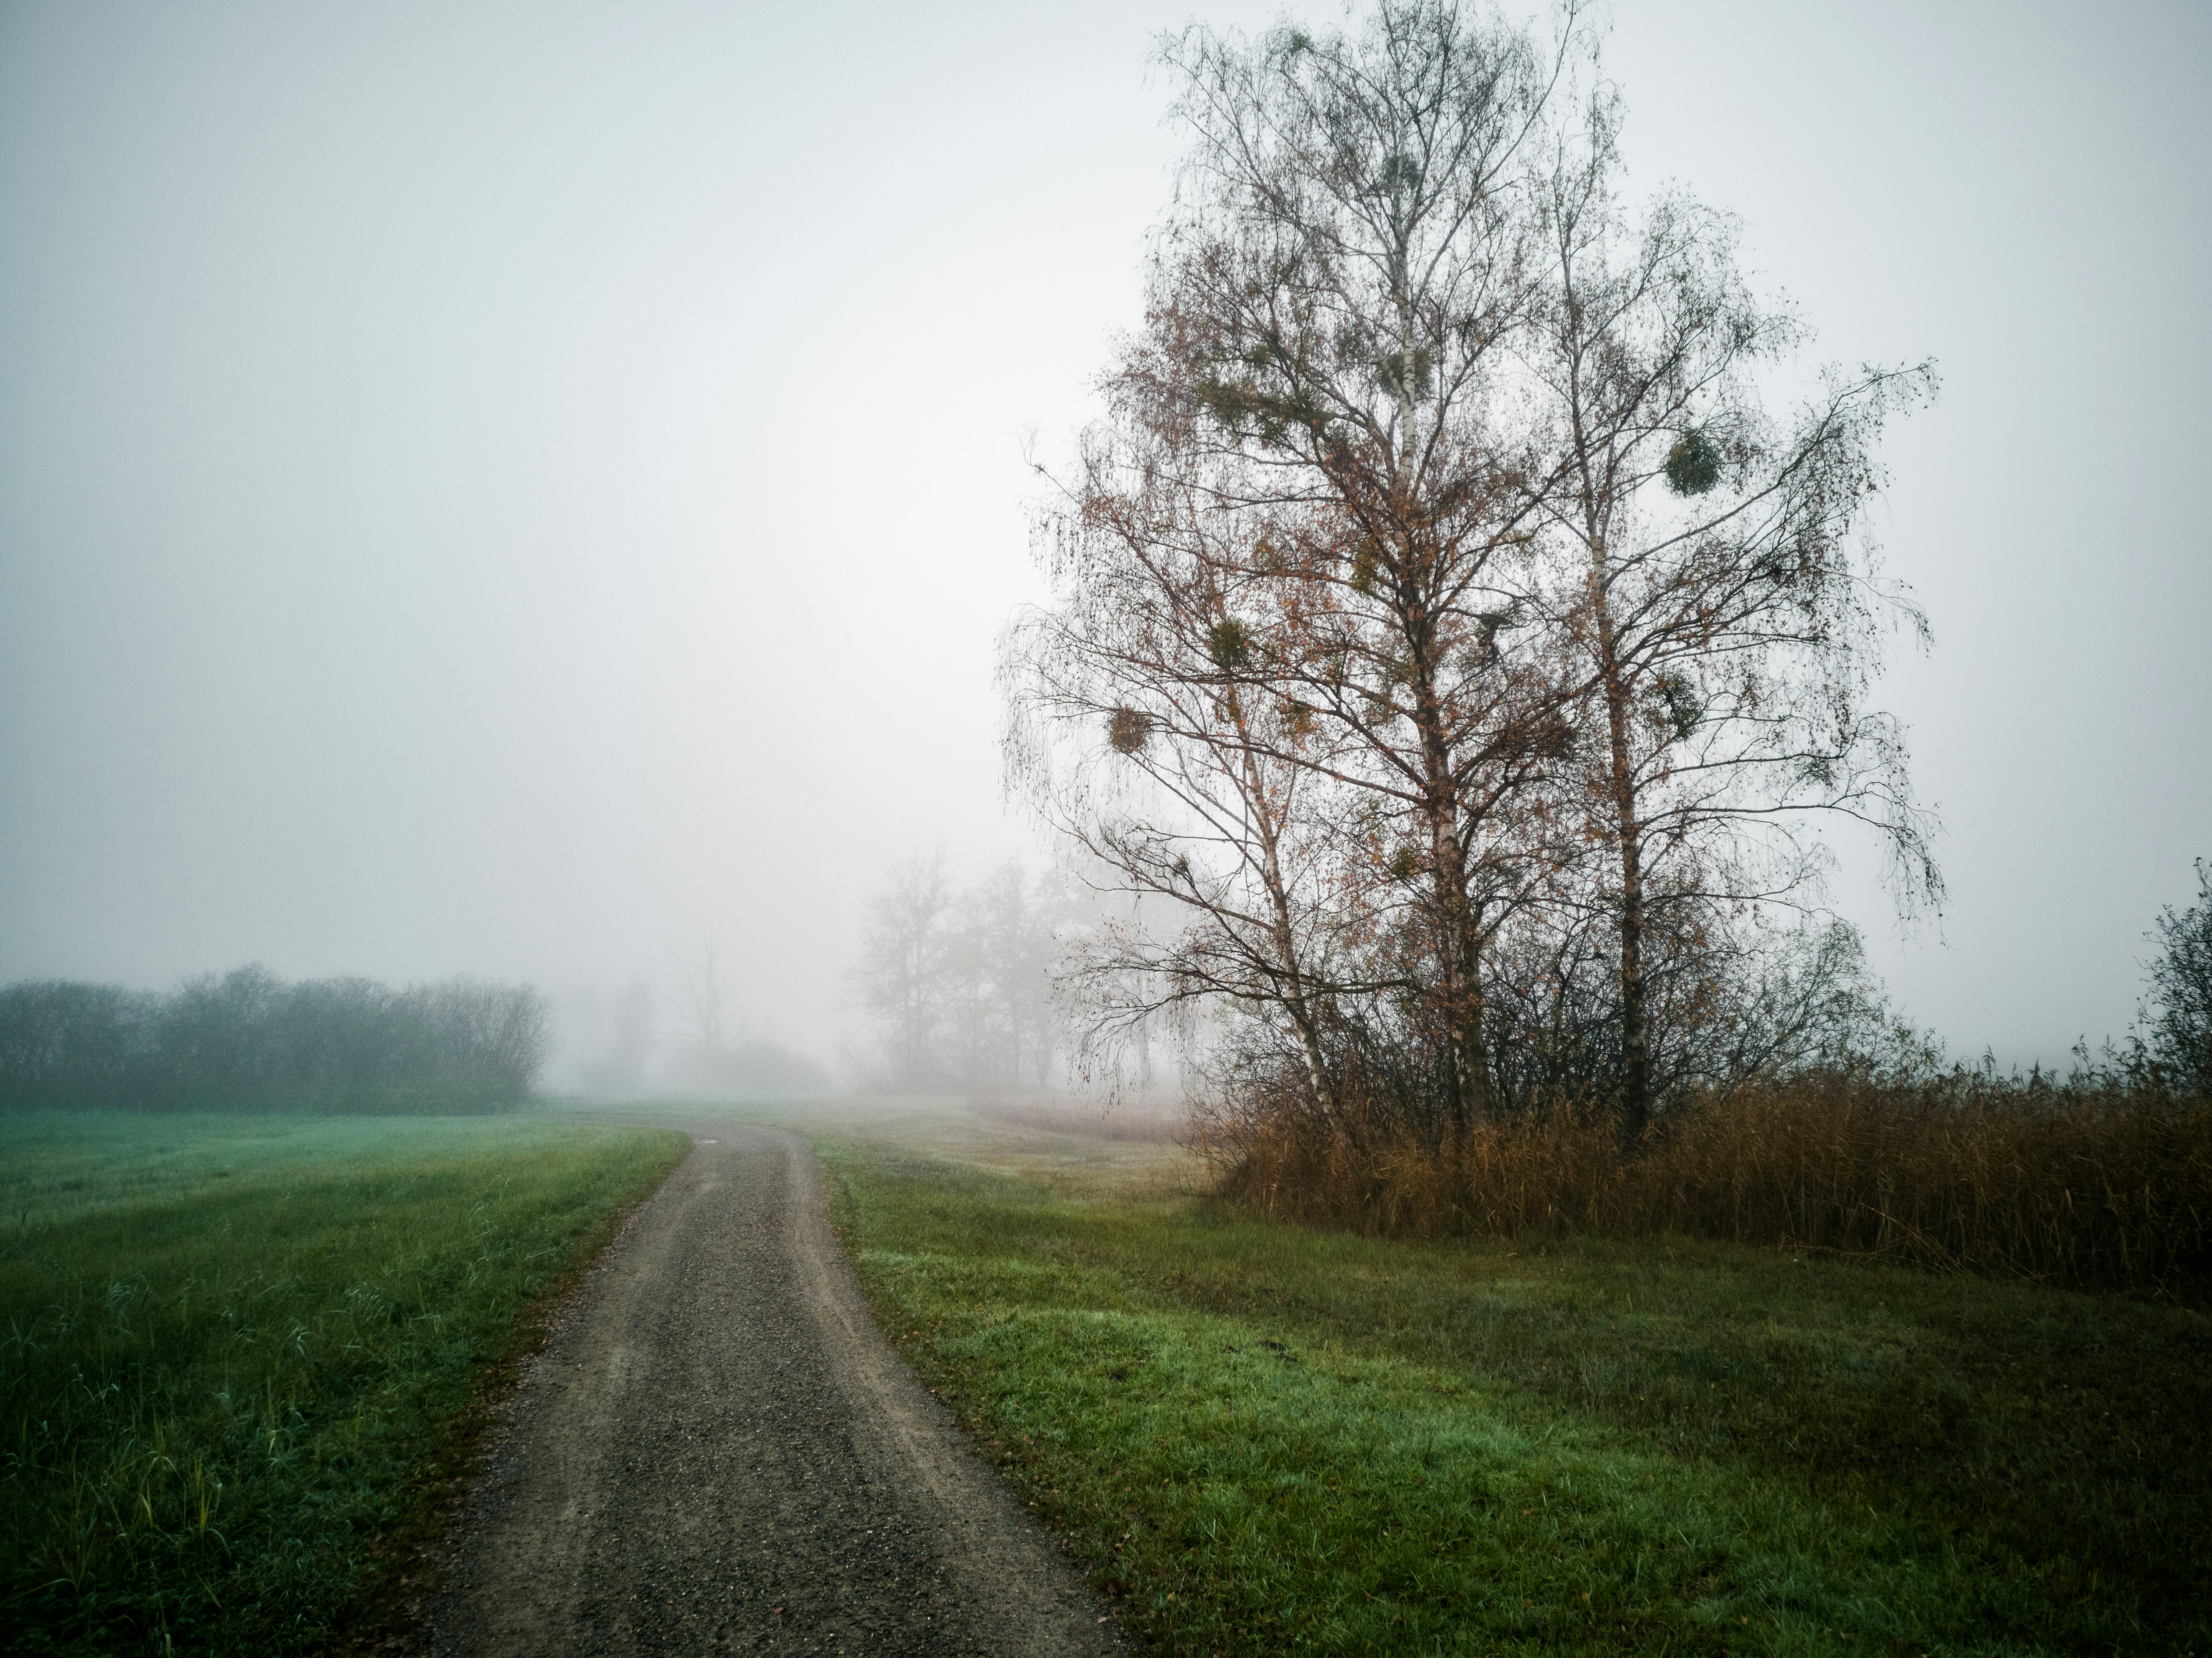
1262	1439
242	1361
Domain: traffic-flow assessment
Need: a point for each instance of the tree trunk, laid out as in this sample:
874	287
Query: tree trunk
1635	1027
1459	942
1459	939
1460	957
1295	998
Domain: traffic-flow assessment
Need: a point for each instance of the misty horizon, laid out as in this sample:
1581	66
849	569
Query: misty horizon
522	494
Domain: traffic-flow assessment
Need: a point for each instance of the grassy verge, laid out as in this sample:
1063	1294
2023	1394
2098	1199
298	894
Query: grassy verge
241	1360
1261	1438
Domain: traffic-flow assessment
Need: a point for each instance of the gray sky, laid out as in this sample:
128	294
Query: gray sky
514	488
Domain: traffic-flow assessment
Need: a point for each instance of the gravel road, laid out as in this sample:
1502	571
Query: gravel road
718	1453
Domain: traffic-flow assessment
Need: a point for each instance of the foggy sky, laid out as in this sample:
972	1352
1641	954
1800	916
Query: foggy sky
517	489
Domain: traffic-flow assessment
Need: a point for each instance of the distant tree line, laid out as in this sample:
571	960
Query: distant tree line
959	982
247	1040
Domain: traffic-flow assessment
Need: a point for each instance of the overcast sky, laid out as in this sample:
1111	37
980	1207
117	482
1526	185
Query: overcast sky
519	489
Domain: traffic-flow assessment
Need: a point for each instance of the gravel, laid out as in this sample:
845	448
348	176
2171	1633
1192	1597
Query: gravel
718	1452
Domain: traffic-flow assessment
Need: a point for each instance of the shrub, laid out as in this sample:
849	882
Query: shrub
2093	1184
2178	1015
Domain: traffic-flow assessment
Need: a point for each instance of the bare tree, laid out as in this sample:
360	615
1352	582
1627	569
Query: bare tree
1142	733
962	981
702	1004
1719	617
901	974
1018	921
1436	600
1315	394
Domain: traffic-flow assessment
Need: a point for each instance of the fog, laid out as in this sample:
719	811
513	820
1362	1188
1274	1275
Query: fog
527	490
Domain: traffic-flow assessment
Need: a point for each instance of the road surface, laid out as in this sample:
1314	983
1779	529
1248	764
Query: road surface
718	1452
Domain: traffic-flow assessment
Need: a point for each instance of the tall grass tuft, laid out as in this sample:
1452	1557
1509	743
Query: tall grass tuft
2091	1186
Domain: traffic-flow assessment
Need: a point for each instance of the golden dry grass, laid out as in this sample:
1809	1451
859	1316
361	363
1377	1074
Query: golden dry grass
2091	1188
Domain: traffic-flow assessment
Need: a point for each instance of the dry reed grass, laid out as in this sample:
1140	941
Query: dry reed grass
2090	1187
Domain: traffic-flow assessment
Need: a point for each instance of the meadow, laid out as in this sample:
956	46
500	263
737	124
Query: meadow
1260	1436
244	1363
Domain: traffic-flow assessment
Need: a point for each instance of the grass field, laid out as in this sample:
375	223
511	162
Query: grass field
1261	1438
242	1360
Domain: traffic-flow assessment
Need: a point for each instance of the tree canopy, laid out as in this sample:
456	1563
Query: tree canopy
1441	609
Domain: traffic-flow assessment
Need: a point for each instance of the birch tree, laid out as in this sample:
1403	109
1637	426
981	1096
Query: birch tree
1712	597
1146	731
901	976
1323	355
1436	595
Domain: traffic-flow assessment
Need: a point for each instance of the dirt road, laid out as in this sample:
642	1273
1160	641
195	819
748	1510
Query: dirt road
718	1453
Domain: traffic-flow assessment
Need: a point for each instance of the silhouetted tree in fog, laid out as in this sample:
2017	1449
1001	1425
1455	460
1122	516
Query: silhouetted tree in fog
960	983
902	971
701	1001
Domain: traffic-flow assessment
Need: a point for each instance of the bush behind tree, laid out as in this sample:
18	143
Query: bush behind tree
247	1041
2176	1017
1801	1113
1454	640
2093	1182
